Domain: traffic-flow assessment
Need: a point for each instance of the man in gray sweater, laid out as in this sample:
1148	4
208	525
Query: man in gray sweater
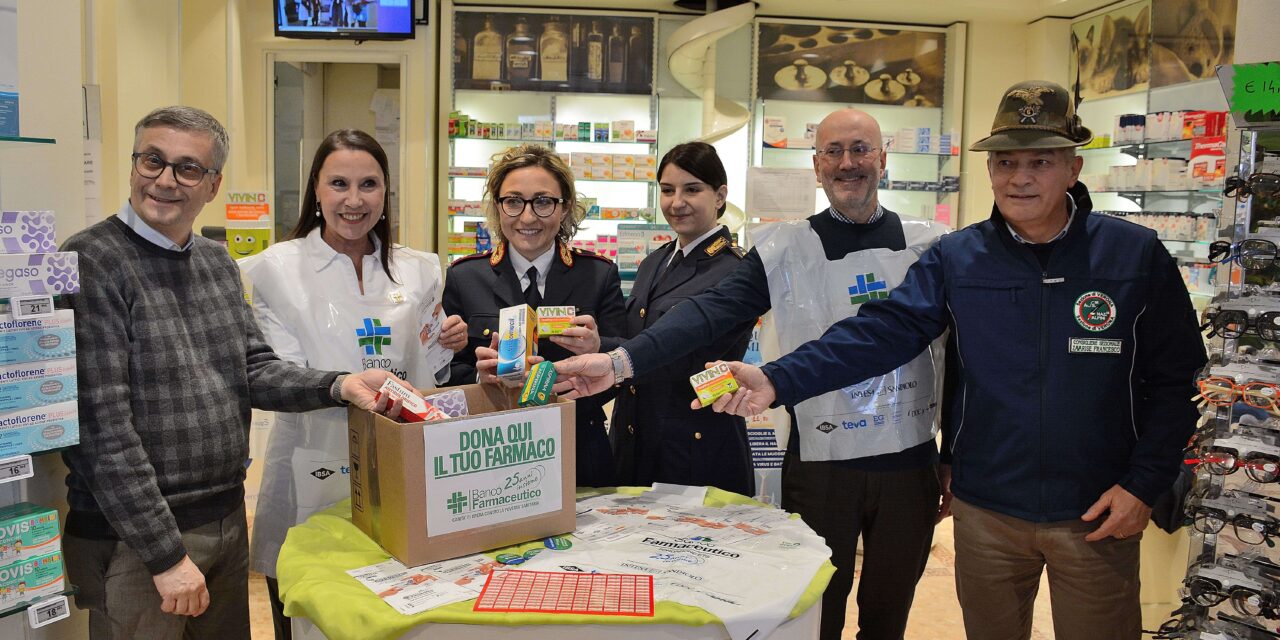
170	362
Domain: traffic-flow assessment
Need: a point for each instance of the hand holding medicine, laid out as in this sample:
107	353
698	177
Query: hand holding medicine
755	392
487	365
453	333
361	390
182	589
581	338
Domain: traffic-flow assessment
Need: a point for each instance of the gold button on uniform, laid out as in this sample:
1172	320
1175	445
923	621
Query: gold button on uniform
486	332
697	435
642	312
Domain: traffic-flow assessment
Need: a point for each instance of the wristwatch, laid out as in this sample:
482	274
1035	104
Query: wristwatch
615	357
335	390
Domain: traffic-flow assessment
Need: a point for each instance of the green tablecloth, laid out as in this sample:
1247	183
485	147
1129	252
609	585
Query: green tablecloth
314	584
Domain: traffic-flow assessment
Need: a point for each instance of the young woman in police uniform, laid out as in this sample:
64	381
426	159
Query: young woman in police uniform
656	437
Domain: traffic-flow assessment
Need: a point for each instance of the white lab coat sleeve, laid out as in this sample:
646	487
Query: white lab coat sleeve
281	338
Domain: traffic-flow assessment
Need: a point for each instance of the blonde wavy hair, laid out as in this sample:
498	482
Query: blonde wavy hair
532	155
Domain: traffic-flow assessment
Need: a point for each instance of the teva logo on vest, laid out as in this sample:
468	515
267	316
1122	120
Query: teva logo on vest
373	336
867	288
1095	311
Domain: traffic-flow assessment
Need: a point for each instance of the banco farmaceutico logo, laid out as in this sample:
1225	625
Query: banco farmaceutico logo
456	502
866	288
373	336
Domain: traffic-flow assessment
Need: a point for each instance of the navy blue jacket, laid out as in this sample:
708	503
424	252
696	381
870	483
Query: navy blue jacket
1063	392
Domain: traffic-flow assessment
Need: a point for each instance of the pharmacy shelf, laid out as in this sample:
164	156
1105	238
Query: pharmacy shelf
891	152
520	140
71	590
20	141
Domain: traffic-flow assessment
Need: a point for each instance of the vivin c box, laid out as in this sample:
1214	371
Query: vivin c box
38	274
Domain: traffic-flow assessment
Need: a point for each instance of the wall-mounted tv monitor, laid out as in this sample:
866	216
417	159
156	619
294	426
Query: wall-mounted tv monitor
345	19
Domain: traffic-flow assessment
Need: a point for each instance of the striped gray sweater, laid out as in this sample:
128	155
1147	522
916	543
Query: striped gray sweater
170	361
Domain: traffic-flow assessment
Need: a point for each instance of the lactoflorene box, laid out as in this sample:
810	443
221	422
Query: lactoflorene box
434	491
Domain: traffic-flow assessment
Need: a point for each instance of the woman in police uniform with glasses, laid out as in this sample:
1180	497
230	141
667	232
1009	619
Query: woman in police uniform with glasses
532	210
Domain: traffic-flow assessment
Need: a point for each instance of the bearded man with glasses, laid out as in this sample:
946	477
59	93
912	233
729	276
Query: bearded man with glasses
860	462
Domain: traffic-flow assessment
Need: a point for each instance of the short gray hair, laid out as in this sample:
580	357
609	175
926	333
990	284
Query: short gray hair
189	119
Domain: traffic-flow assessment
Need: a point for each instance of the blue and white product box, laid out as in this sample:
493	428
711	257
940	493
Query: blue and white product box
29	579
27	531
27	232
28	385
28	340
39	274
39	429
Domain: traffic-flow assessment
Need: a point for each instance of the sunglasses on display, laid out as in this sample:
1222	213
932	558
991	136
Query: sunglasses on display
1222	391
1265	185
1234	323
1254	254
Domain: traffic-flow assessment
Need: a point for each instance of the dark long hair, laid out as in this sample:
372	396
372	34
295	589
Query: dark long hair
702	162
352	140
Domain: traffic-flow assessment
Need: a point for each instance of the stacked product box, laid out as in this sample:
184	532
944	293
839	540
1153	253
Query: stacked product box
30	554
38	408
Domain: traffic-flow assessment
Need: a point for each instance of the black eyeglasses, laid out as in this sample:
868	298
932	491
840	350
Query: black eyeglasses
1233	323
1266	185
188	174
856	152
1209	592
1248	528
543	206
1253	254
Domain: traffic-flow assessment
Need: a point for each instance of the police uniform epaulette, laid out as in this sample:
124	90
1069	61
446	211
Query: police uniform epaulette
590	254
474	256
719	245
738	251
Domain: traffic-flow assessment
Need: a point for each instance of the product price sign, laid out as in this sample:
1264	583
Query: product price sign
48	611
16	468
493	469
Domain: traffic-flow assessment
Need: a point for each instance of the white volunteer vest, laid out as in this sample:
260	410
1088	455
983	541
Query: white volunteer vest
809	293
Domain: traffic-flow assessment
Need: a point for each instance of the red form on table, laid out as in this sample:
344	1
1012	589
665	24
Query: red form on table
606	594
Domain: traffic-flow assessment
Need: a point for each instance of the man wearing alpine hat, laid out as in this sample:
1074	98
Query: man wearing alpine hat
1077	350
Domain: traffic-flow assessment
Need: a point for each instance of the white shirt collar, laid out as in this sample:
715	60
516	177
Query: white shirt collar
322	254
522	264
129	216
688	248
1071	204
840	217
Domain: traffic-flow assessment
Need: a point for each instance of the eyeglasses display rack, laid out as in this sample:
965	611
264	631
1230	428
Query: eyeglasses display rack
1232	584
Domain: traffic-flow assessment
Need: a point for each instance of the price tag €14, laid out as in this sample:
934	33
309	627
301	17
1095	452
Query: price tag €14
48	611
16	468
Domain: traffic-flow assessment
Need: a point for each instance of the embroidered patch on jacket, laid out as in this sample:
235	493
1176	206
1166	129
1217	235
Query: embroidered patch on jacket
1095	345
1095	311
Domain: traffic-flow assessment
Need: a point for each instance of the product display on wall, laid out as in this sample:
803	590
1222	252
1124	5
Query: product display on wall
1233	574
39	413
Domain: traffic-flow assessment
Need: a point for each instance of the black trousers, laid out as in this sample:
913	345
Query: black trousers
281	623
893	511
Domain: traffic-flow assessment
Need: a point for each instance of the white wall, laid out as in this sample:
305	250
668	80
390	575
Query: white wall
997	58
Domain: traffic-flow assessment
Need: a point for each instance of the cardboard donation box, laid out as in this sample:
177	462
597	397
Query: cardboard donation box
431	491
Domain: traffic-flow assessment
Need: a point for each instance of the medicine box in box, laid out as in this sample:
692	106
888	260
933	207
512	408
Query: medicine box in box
27	531
434	491
26	580
28	385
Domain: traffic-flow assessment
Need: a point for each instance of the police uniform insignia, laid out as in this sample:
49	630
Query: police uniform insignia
716	246
498	253
1095	311
566	256
1031	96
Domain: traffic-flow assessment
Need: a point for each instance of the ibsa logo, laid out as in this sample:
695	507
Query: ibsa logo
373	336
866	288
